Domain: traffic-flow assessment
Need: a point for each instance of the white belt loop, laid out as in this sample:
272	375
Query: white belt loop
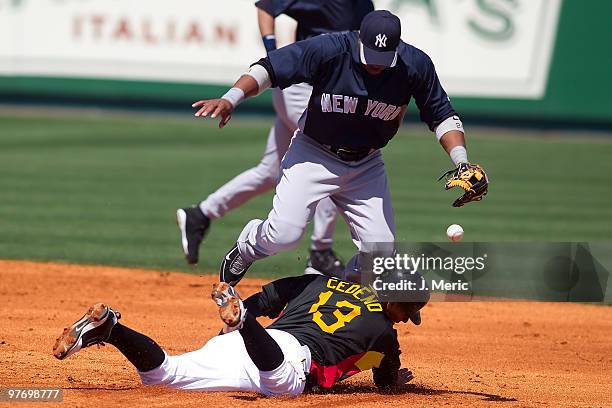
298	368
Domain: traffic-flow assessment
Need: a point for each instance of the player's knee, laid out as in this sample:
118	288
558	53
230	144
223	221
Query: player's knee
288	380
379	236
387	236
161	375
284	235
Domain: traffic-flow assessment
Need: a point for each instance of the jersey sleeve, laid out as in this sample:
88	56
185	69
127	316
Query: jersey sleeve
275	295
431	99
301	61
274	7
385	374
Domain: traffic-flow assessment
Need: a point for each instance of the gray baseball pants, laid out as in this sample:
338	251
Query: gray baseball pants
309	174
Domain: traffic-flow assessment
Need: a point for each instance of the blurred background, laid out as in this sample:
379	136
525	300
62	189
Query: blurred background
99	147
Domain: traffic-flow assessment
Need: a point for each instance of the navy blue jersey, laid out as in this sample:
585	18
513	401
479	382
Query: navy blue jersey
349	107
316	17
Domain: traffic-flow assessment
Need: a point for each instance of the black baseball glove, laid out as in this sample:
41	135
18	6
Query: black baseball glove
469	177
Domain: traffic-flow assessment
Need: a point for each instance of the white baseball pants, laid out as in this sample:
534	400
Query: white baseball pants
309	174
223	364
289	105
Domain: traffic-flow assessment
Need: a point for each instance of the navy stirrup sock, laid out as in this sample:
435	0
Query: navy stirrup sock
144	353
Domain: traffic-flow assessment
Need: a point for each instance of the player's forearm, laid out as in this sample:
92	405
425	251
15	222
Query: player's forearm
451	135
454	144
252	83
247	84
452	139
266	23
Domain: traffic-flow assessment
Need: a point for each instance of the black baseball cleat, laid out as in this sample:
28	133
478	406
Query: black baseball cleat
324	262
193	225
93	328
233	267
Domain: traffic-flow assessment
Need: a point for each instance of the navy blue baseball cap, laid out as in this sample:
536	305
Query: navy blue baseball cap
380	34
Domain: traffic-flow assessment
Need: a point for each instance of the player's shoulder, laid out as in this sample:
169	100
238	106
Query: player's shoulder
317	281
295	280
301	281
414	59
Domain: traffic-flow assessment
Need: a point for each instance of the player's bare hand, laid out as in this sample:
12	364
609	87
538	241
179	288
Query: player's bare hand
404	376
214	107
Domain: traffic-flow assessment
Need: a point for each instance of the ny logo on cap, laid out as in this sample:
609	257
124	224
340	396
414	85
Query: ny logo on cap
381	40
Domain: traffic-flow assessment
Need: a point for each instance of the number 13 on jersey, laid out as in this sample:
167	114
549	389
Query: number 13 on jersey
341	318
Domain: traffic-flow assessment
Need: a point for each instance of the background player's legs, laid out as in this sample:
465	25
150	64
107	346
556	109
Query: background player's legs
324	224
254	181
289	106
193	224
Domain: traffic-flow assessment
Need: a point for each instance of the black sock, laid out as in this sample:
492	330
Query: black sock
262	348
143	352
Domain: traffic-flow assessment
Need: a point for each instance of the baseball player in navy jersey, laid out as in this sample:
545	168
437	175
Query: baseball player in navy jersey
329	330
314	17
362	84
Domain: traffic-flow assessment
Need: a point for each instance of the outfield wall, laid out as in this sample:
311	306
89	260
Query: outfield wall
527	59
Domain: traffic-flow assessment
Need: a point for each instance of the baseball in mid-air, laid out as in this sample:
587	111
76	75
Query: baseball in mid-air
454	232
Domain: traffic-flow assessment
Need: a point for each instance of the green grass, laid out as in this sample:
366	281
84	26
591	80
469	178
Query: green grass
103	189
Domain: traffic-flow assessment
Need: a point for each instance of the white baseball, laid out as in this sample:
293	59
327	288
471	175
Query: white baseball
454	232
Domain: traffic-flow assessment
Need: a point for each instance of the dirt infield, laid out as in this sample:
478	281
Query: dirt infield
479	354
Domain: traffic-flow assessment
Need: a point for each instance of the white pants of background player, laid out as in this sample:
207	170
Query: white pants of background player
309	174
289	105
223	364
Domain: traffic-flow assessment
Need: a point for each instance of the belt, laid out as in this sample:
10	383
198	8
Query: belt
349	154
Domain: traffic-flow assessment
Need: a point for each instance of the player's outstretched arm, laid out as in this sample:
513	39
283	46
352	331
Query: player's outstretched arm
252	83
243	88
